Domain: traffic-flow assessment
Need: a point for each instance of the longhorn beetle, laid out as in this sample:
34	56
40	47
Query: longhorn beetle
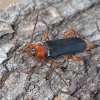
54	48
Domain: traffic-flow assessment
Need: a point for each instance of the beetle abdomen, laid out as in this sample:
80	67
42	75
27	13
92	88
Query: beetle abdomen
64	46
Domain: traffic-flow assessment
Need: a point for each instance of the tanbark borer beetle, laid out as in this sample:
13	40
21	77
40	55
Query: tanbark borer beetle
54	48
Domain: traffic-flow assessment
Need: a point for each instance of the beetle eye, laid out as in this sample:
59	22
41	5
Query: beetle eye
32	50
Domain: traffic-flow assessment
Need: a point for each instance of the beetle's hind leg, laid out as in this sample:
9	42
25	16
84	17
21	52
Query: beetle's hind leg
74	58
70	32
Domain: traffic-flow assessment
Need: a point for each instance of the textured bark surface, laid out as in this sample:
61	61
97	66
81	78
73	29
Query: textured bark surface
55	17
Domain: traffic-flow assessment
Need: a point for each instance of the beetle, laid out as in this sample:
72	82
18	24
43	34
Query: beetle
54	48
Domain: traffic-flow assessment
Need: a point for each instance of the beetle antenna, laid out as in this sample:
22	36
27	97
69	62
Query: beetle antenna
56	73
31	39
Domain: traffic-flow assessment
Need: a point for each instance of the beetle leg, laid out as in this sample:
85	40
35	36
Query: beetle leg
40	60
31	68
73	57
46	37
24	50
70	32
55	64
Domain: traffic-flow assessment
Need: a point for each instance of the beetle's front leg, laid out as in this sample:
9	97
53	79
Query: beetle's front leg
31	68
46	36
40	60
24	50
56	64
